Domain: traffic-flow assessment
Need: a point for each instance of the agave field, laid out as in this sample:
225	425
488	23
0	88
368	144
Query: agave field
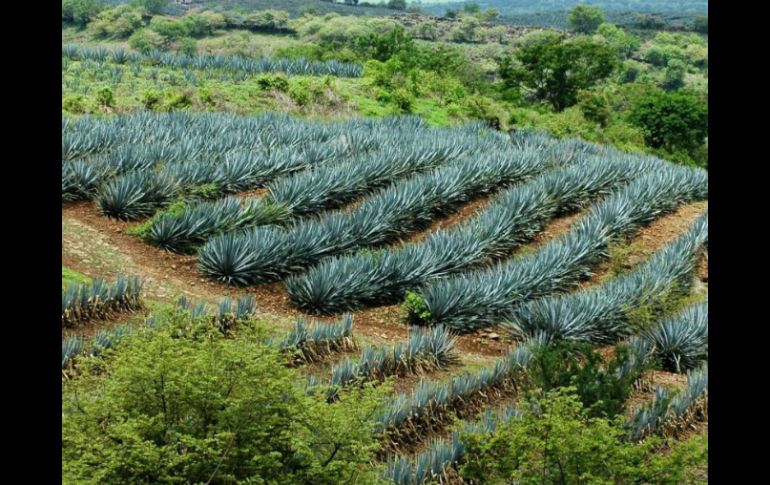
237	66
393	248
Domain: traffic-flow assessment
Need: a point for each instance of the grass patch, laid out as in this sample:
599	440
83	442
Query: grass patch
70	276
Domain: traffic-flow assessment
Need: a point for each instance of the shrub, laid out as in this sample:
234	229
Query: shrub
601	389
145	40
152	6
555	440
105	97
273	81
180	100
403	99
151	99
594	107
203	408
585	19
74	104
79	12
170	27
188	46
118	23
677	120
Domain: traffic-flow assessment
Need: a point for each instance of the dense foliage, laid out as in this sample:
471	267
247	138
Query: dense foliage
554	69
555	440
214	410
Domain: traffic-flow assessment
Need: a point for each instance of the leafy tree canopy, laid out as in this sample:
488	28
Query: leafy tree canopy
585	19
207	409
555	69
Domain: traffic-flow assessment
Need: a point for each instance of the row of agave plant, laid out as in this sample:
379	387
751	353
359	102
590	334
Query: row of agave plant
602	314
266	254
236	169
434	404
133	180
473	300
196	134
430	403
433	463
312	342
514	217
425	350
236	63
322	187
72	347
669	413
306	343
83	302
666	414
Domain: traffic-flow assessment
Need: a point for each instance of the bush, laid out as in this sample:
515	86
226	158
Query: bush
151	99
677	120
180	100
79	12
105	97
188	46
555	440
145	40
268	20
181	404
594	107
485	109
403	99
701	24
273	81
74	104
204	23
170	27
599	388
674	75
117	23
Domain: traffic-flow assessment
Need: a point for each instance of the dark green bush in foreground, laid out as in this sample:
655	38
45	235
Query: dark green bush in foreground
555	441
205	409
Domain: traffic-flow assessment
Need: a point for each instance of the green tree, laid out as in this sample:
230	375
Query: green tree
396	4
620	40
471	8
185	405
382	47
673	121
674	75
585	19
153	6
555	441
555	69
80	12
701	24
